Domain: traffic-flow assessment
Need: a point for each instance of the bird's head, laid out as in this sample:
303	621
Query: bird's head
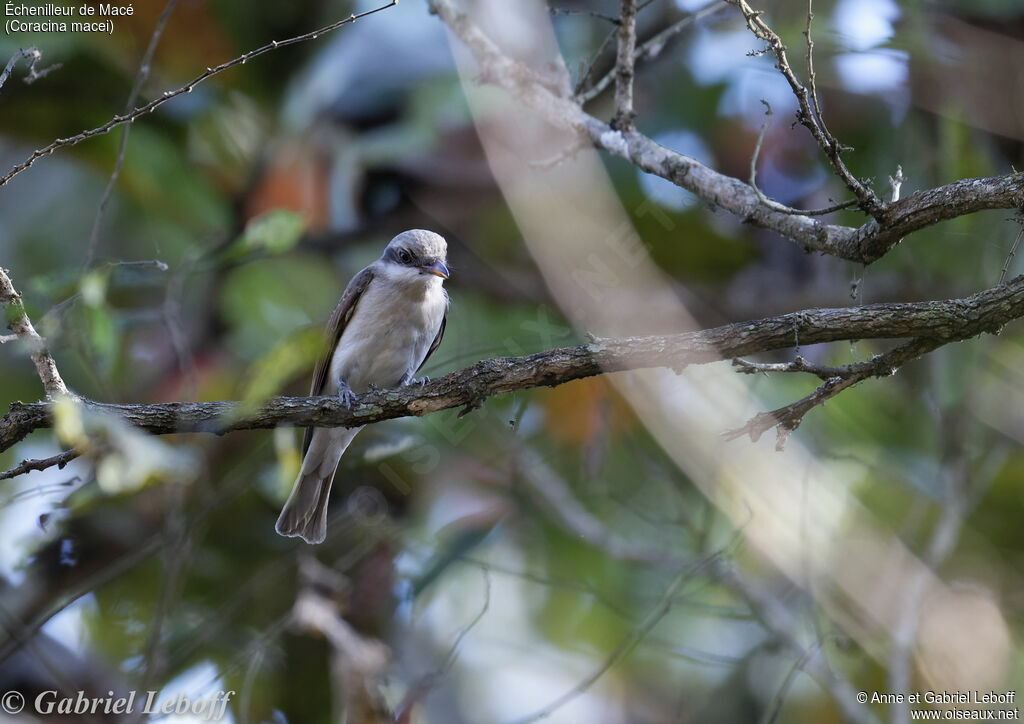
418	253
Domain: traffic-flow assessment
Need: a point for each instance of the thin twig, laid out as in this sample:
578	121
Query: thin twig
634	637
788	418
545	164
32	75
423	686
21	325
187	88
777	617
1013	251
811	76
771	712
25	466
585	73
140	78
896	183
592	13
177	550
799	364
807	115
648	50
624	65
775	205
28	627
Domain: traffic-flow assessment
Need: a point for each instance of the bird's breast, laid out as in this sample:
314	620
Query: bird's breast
388	335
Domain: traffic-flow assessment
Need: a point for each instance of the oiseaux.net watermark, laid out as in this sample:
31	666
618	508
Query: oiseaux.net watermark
209	708
972	705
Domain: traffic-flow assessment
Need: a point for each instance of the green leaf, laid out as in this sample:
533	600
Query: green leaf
275	232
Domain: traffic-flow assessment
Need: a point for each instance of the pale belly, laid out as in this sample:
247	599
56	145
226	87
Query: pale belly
386	340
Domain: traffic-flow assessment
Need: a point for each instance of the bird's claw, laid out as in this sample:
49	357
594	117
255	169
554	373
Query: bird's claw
345	394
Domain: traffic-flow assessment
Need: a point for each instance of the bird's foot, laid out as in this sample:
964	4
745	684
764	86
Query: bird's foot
345	394
421	381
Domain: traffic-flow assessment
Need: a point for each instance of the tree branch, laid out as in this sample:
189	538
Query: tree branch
140	77
60	460
34	56
624	112
787	419
187	88
649	49
564	510
21	325
809	116
775	205
939	321
864	244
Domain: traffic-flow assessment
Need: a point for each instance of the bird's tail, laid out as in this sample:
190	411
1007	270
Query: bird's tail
305	512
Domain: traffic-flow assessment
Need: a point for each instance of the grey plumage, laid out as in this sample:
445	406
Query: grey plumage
390	319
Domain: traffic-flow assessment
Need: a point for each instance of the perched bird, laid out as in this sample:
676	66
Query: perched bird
390	319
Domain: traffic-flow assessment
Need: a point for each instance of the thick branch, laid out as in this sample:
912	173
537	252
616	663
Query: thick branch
941	321
864	245
21	325
927	208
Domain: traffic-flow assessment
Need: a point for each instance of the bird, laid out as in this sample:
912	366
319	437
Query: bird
390	319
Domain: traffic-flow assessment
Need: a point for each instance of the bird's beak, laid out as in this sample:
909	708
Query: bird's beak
438	269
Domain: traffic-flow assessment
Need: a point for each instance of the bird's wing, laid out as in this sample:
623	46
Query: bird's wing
437	341
335	328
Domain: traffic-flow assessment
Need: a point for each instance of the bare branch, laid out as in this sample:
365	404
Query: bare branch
423	686
799	364
896	183
634	637
187	88
811	76
565	511
25	466
775	205
864	245
1013	252
777	617
624	112
808	116
21	325
787	419
587	68
140	78
649	49
938	322
32	75
592	13
553	496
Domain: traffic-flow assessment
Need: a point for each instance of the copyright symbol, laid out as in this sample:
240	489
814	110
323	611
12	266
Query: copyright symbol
862	697
12	702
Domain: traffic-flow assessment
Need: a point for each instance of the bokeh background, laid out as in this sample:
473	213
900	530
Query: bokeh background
243	208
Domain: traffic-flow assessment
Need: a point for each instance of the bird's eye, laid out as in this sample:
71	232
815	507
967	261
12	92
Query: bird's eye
404	257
